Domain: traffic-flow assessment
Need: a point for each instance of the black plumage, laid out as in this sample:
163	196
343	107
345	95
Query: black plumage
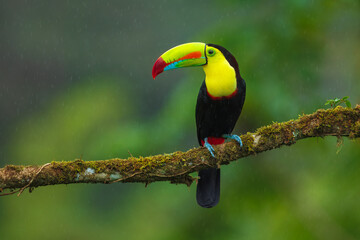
215	117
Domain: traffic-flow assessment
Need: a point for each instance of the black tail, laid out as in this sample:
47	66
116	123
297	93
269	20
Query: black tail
208	187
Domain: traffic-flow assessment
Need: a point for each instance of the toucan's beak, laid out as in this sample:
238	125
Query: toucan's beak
185	55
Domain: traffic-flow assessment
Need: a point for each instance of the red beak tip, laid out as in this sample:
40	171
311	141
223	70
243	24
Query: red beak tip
154	74
158	68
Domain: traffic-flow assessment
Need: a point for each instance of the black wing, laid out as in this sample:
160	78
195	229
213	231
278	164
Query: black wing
217	117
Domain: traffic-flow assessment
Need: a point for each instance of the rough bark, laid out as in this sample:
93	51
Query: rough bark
177	166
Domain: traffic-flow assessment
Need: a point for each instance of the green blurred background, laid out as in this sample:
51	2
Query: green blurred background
75	80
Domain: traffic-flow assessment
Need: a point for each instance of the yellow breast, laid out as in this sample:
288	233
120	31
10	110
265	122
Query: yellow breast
220	77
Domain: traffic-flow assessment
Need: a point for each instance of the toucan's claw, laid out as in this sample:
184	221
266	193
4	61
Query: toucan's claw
209	147
235	137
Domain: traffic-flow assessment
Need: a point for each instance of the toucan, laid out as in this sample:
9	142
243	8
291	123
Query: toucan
219	103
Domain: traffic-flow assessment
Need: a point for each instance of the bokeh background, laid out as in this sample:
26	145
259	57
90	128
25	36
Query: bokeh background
75	80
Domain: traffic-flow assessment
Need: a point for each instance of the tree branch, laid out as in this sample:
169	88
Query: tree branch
177	166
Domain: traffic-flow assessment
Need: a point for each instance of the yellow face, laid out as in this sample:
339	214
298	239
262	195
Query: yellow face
213	55
220	77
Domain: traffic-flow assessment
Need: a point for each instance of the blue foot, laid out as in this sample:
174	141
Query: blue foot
209	147
233	136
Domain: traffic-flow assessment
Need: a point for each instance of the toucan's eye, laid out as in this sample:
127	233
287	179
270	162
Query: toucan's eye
211	52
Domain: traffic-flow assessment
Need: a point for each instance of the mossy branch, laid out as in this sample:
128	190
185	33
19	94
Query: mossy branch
177	166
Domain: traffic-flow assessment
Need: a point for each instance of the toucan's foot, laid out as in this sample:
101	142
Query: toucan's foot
233	136
209	147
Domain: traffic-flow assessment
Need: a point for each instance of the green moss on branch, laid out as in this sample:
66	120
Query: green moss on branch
177	166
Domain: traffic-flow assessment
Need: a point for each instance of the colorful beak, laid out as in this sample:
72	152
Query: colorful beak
185	55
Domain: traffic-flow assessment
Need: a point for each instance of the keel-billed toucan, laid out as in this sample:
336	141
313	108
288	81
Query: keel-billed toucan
220	100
